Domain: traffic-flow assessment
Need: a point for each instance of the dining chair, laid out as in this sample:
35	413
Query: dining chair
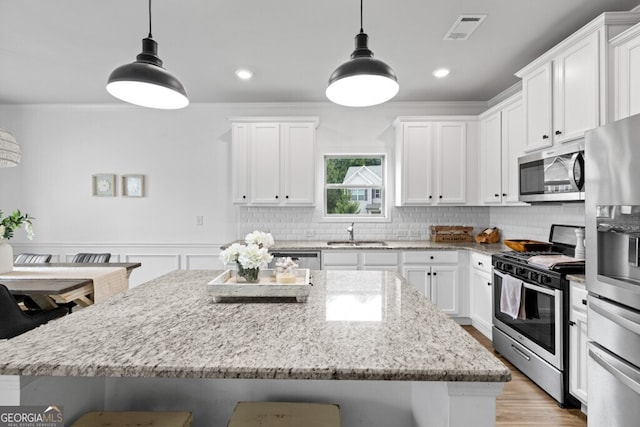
91	258
26	258
14	321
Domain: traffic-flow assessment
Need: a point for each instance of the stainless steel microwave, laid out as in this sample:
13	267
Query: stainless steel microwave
554	175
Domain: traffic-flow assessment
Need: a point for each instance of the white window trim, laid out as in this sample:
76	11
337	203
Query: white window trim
386	194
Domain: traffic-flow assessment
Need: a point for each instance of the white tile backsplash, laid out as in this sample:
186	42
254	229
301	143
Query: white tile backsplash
410	223
534	222
407	223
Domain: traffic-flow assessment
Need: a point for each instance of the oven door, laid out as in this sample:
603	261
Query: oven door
541	328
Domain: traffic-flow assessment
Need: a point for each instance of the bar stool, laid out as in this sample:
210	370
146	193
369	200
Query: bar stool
285	414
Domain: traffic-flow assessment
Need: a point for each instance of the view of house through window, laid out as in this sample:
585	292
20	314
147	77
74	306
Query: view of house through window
354	186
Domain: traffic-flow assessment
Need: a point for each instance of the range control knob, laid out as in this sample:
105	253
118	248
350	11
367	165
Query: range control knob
534	276
520	270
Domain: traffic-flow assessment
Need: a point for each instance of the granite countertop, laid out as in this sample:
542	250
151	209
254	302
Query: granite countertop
405	245
579	278
356	325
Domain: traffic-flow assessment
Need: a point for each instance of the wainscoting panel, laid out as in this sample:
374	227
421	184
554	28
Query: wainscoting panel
156	258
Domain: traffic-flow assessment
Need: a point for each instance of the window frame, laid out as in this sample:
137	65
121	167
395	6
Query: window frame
386	197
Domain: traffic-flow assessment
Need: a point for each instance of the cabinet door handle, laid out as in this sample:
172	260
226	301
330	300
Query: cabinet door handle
496	195
504	194
431	257
276	197
545	136
440	196
584	301
558	132
572	323
480	263
431	197
488	283
429	274
286	197
434	273
244	197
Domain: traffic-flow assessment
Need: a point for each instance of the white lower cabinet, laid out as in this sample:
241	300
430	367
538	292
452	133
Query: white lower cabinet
578	342
481	293
436	275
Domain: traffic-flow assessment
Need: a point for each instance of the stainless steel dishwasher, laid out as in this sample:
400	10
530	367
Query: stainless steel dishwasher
304	258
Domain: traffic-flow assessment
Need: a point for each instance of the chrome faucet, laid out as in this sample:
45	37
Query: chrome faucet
350	231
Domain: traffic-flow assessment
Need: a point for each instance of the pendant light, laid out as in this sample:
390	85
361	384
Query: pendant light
363	80
10	152
145	82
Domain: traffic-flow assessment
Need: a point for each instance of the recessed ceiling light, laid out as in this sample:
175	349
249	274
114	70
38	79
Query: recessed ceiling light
244	74
441	72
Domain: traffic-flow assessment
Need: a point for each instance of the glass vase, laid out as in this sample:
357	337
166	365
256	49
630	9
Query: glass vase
250	274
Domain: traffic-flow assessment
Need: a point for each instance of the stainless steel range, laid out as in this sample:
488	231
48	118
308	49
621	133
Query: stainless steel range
534	334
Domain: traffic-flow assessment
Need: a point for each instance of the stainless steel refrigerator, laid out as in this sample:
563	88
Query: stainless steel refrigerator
612	207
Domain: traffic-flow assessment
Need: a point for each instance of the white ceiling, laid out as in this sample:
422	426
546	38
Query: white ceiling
62	51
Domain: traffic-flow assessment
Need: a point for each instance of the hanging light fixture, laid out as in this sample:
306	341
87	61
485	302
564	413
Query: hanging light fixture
145	82
363	80
10	152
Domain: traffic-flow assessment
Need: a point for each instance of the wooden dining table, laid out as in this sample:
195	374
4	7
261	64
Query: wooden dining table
50	292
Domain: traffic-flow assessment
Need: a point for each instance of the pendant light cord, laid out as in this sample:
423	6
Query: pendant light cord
150	36
361	30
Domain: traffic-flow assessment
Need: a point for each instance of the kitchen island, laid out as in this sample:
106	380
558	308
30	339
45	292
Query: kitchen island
365	340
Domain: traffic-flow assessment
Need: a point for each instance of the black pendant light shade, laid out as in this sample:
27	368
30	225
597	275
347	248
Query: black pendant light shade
362	81
146	82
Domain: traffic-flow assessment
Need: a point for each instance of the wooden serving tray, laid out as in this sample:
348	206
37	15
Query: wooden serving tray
229	286
528	245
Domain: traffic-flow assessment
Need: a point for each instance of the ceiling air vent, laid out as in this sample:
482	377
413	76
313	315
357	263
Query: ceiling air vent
464	26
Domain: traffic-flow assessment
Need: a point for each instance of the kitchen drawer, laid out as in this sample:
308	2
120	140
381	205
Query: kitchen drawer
430	257
481	262
340	258
578	296
380	258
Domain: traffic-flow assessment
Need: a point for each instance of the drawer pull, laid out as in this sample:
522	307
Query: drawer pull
572	323
584	301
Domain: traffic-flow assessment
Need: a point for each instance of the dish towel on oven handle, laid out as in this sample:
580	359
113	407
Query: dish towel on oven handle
510	295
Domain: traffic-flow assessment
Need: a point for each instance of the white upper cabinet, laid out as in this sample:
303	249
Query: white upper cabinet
576	89
537	90
567	90
627	72
502	141
431	160
240	162
273	161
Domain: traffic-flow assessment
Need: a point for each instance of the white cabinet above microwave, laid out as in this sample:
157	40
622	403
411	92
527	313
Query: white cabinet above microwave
566	91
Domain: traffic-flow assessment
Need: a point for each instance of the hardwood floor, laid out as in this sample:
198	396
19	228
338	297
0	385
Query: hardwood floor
522	403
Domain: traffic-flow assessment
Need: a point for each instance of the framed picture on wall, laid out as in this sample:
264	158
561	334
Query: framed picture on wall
133	185
104	185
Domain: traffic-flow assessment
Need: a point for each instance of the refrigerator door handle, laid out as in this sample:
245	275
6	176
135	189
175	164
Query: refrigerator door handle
620	370
618	316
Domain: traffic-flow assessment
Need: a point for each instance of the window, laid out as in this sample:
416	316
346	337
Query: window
354	186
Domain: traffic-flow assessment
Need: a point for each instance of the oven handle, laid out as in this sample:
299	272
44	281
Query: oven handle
536	288
621	371
617	315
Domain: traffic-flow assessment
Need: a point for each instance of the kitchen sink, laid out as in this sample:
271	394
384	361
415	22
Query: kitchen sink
356	243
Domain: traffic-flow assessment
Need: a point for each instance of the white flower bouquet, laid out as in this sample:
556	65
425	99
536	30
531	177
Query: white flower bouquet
251	256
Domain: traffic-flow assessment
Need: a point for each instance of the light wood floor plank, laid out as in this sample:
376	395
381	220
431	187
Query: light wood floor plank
524	404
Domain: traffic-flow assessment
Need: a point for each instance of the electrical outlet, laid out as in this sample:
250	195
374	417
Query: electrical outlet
199	220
